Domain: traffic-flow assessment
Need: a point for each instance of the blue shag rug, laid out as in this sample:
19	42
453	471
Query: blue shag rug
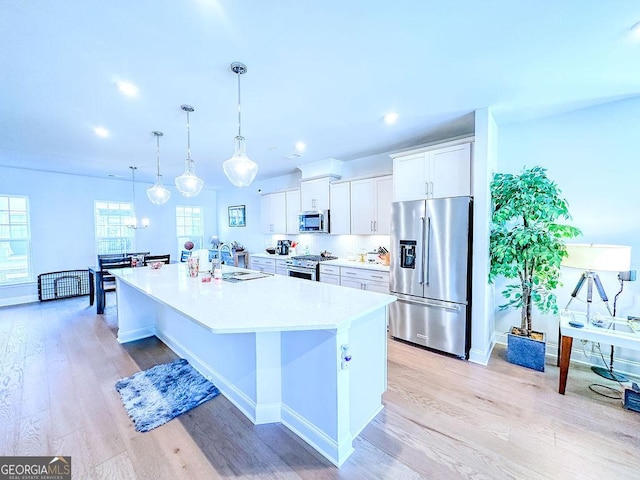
155	396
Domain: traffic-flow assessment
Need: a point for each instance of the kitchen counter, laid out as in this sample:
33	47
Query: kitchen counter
307	354
272	255
340	262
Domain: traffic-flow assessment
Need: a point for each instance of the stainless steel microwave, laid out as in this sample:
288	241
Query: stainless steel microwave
316	221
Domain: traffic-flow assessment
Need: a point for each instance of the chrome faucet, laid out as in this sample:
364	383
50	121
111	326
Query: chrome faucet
220	247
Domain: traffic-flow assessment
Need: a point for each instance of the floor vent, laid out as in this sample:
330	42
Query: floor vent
69	283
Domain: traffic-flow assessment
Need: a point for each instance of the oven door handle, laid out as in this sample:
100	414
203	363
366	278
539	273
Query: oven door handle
305	271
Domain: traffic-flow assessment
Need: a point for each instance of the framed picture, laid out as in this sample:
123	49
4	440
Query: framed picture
237	216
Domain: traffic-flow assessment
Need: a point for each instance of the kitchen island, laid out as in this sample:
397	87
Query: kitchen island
309	355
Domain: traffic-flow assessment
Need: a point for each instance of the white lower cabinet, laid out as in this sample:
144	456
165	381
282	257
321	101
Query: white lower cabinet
330	274
281	267
265	265
365	279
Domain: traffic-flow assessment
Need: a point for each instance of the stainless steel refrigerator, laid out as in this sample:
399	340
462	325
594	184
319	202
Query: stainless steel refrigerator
430	273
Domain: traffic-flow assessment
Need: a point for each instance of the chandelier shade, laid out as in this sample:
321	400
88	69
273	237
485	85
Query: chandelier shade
158	194
189	184
240	169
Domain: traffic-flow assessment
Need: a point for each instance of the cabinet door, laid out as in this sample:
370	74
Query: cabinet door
450	171
409	177
332	279
384	199
314	194
281	267
363	205
293	209
340	216
351	282
376	287
273	214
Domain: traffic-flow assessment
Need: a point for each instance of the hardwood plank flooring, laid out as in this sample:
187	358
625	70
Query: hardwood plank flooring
443	419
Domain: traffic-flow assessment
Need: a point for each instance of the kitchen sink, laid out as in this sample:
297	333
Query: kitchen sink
243	276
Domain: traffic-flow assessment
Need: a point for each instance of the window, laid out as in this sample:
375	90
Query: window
189	226
112	233
15	240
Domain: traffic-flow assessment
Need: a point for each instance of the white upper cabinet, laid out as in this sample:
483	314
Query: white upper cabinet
371	200
340	216
314	194
434	173
293	209
273	214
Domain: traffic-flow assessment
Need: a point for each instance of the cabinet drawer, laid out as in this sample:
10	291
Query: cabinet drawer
364	274
263	264
329	269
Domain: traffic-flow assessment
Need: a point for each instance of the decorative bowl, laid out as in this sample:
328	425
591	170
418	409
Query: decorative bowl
156	265
271	250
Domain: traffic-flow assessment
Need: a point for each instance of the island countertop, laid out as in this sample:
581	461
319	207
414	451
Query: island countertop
273	303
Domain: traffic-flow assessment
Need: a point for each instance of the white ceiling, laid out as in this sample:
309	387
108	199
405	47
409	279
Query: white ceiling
324	72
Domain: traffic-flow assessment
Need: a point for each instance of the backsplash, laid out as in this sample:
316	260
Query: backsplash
343	246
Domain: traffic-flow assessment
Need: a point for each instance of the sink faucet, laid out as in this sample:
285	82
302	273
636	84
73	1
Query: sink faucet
221	246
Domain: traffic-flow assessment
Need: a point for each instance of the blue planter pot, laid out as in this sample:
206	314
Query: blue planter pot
526	351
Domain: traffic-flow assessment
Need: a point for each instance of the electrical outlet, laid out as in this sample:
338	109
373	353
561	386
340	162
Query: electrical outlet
628	276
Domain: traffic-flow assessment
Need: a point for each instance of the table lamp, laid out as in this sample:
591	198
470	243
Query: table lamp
592	258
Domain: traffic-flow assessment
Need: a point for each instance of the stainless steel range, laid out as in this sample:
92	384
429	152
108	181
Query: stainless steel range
306	266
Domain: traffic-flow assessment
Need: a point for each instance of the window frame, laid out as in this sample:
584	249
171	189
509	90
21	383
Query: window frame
181	226
7	226
127	242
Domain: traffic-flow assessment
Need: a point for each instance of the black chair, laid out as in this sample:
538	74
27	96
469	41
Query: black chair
109	262
185	255
136	254
149	259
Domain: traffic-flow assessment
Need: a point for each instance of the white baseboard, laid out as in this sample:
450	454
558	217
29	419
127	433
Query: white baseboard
11	301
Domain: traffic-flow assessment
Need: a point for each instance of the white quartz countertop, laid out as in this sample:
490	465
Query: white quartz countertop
274	303
340	262
275	256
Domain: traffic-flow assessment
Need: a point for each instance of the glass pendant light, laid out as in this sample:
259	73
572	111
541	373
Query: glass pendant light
132	222
240	169
189	184
158	194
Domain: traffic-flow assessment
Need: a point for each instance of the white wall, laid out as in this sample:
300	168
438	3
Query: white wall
593	156
63	227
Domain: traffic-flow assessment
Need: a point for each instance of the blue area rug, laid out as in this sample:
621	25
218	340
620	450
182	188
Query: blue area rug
155	396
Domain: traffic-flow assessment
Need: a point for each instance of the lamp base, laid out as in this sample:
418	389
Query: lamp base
609	375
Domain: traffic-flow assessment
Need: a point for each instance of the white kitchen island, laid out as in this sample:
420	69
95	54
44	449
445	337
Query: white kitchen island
277	347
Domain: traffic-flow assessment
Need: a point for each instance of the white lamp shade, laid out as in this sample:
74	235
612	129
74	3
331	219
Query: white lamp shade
240	169
589	256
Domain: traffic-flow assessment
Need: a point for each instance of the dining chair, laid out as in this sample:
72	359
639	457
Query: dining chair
185	255
149	259
109	262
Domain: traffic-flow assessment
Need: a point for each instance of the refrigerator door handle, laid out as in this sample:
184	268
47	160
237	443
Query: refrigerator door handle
427	245
422	259
421	301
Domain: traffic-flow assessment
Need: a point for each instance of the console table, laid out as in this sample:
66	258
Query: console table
612	331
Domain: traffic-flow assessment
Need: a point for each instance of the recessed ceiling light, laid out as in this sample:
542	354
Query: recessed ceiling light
301	146
101	132
127	88
391	118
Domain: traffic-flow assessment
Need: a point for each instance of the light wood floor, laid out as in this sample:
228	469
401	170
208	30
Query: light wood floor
443	419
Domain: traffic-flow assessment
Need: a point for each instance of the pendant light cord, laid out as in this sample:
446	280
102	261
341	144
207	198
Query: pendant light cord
239	108
158	154
188	138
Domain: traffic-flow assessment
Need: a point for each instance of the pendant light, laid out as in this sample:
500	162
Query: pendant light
189	184
132	222
240	169
158	194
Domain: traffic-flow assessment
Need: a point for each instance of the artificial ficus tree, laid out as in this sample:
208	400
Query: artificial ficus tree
526	241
